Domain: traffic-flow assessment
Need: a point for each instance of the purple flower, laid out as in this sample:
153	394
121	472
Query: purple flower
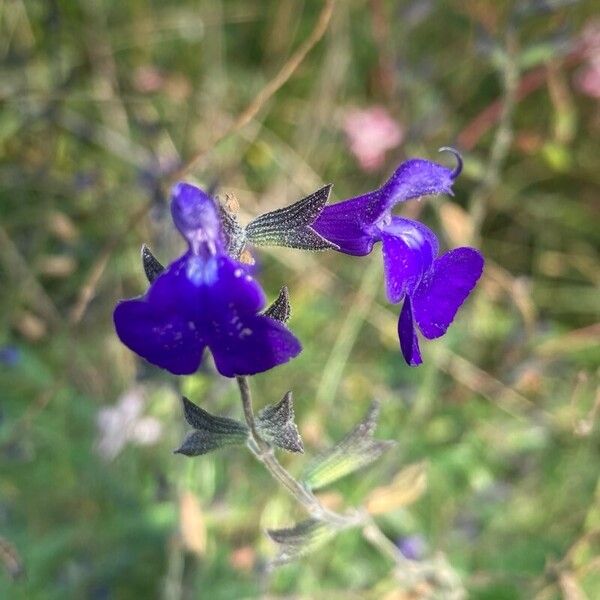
203	299
432	288
412	547
10	356
355	225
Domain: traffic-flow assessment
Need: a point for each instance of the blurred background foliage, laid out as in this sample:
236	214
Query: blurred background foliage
101	100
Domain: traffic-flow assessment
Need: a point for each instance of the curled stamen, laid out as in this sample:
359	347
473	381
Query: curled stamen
459	160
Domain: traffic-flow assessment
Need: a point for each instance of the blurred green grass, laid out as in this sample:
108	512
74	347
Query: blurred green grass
97	98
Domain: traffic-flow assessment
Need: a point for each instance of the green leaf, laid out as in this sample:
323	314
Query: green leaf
297	541
275	423
355	451
202	442
211	432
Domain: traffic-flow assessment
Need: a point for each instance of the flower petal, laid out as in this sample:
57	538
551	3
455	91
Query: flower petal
412	179
196	216
351	224
193	303
445	288
242	342
344	225
252	344
165	339
409	343
408	252
235	287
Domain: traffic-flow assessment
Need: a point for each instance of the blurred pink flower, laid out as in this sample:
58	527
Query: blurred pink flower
124	422
590	38
371	132
148	79
587	78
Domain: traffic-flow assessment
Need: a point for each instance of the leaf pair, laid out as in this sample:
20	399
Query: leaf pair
275	423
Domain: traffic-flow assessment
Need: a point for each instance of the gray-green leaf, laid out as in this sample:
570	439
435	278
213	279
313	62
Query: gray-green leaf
202	441
275	423
211	432
355	451
297	541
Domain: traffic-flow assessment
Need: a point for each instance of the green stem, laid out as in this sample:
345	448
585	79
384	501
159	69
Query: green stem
263	451
504	133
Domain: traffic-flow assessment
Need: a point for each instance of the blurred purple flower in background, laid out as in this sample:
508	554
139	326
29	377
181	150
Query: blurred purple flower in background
371	132
432	288
204	298
10	356
125	423
412	547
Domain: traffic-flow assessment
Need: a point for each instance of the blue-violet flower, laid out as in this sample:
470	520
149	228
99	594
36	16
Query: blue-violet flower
204	298
432	288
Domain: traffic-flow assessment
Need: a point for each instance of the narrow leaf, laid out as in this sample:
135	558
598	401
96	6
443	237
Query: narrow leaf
152	266
198	418
201	441
280	310
290	226
355	451
276	425
211	432
297	541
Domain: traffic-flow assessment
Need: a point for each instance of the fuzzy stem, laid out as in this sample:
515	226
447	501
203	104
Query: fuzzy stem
263	451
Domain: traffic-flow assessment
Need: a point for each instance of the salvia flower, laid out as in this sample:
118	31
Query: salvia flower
354	225
203	299
432	288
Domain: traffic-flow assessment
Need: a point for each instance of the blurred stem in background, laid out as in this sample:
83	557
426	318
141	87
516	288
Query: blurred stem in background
503	136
